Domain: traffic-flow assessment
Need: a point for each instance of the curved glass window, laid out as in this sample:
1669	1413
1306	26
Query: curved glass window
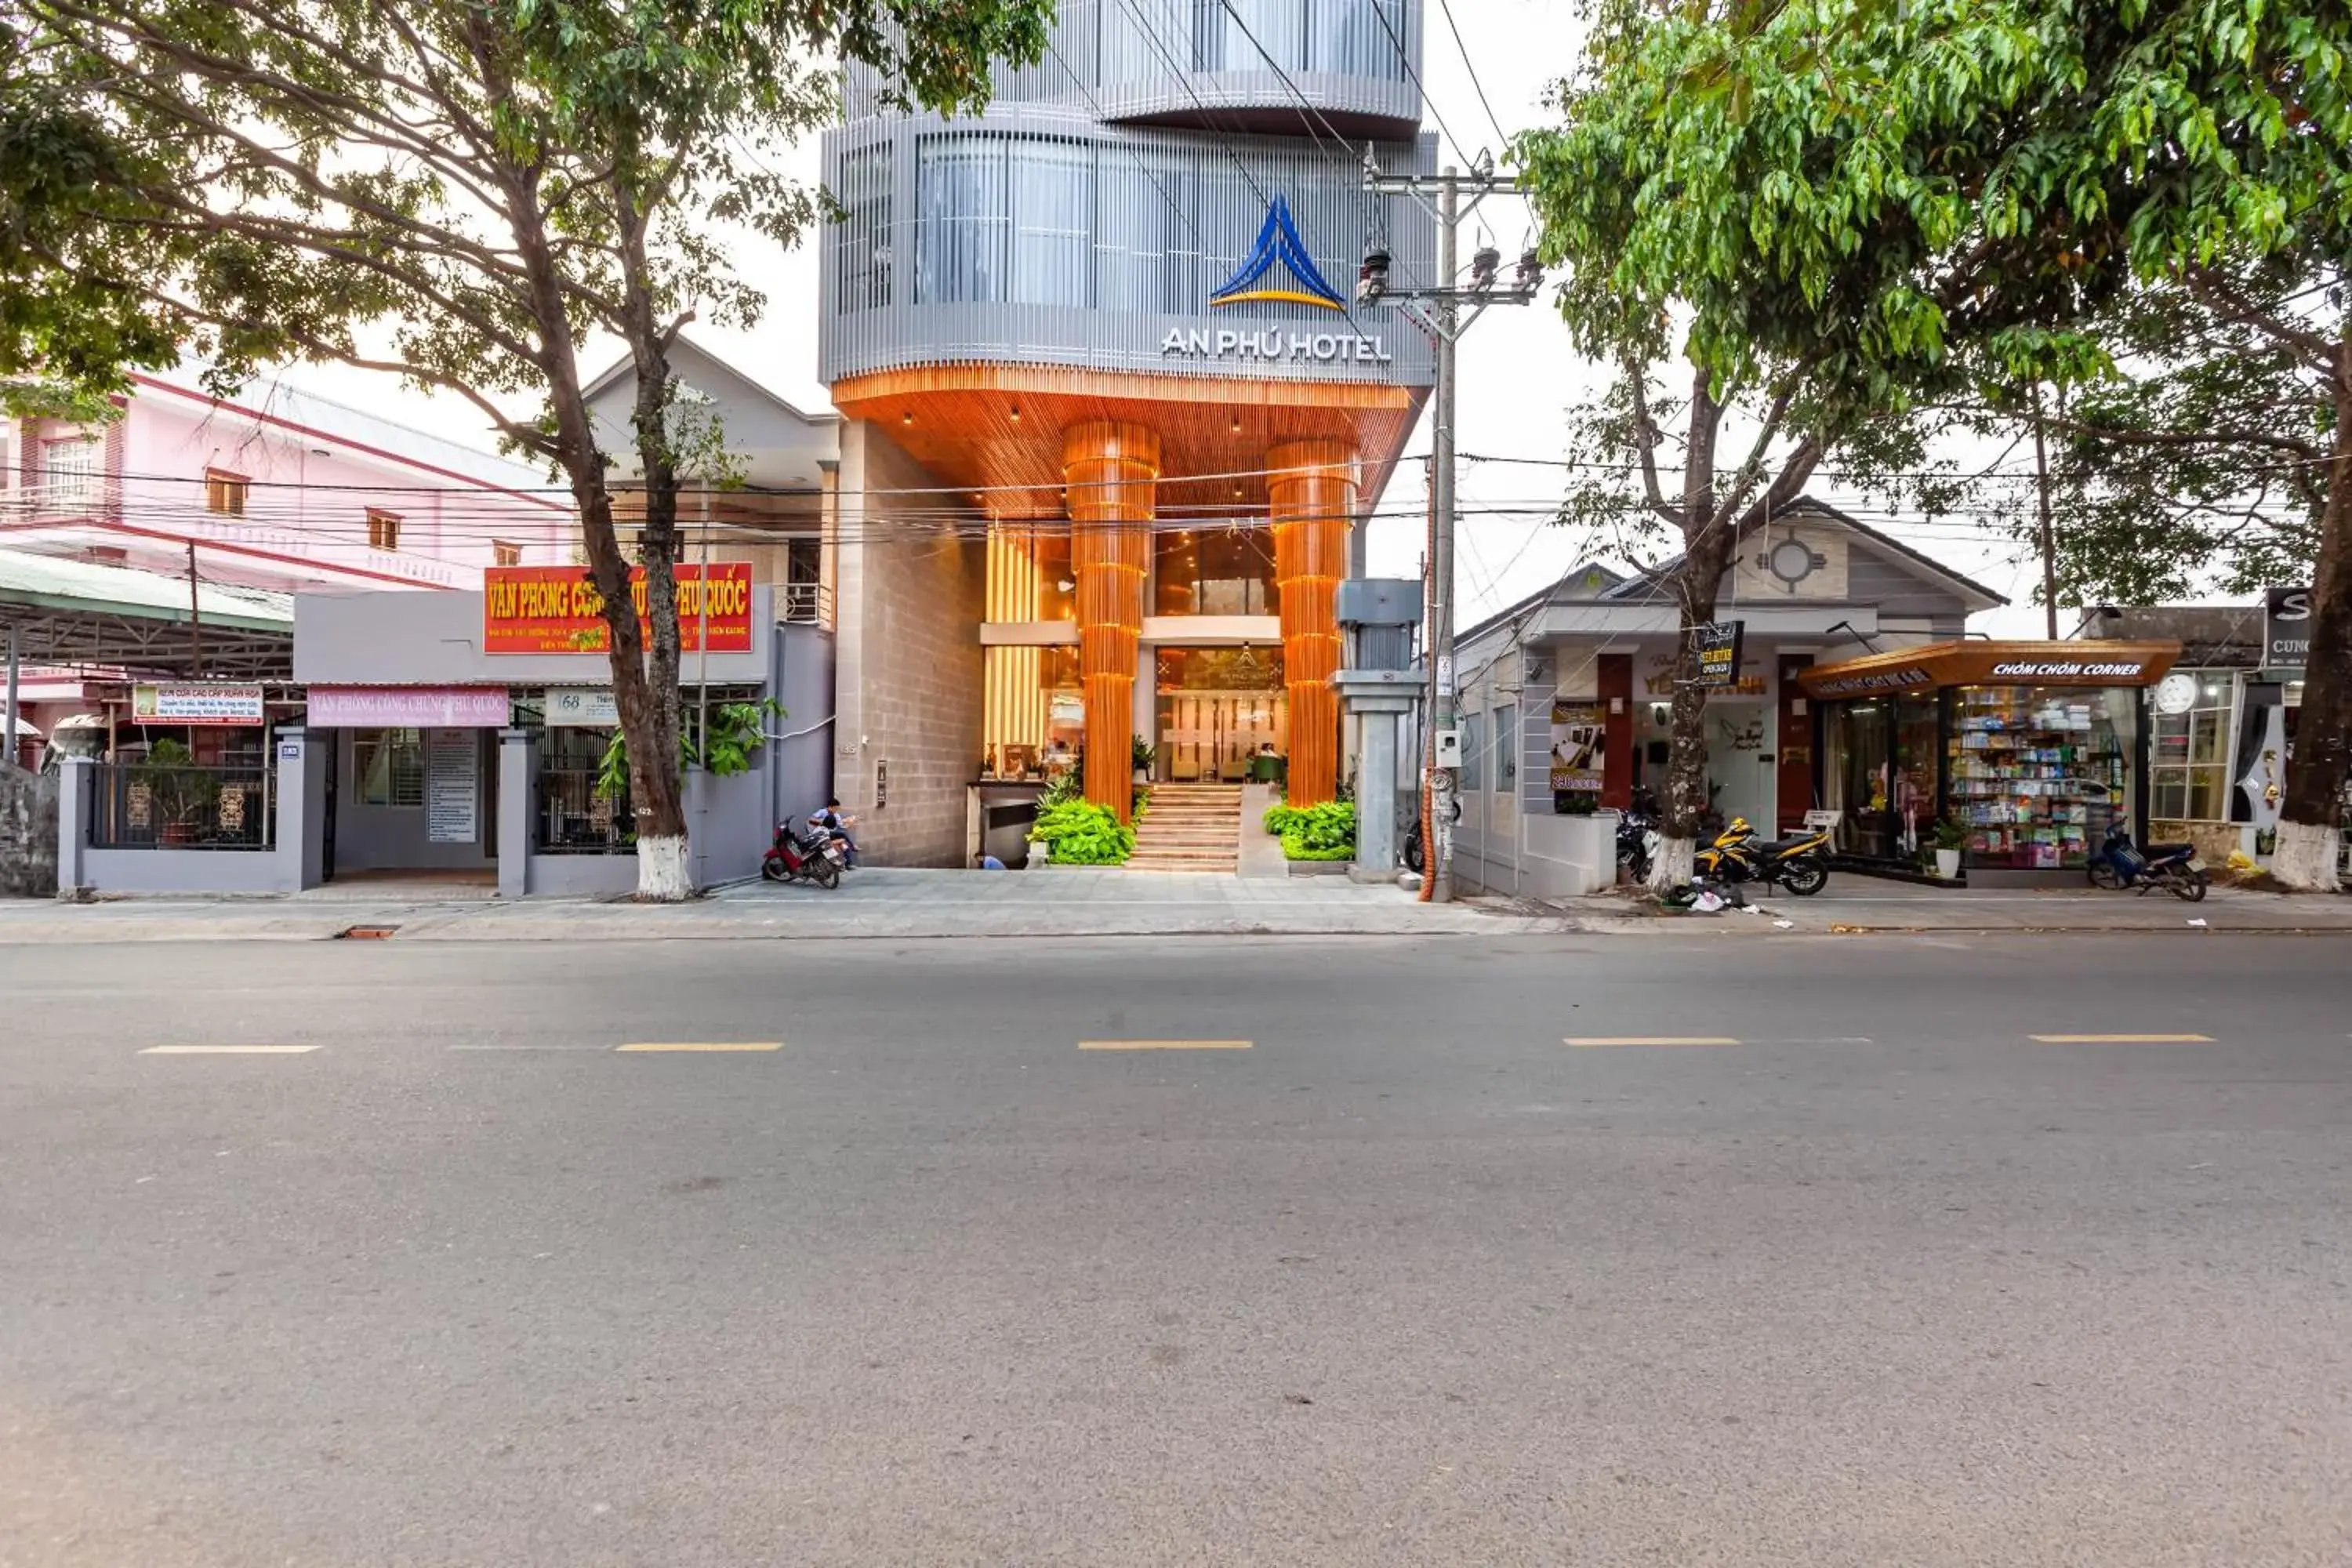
1003	218
1347	37
964	218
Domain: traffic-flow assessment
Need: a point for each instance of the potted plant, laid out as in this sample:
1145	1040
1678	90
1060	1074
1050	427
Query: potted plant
1146	756
1952	838
182	793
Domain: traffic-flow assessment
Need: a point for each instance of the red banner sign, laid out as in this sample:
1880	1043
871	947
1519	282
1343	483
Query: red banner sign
556	609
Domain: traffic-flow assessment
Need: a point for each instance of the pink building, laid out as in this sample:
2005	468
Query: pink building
284	490
278	490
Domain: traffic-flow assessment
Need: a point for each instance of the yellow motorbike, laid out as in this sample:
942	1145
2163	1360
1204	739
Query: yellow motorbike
1800	863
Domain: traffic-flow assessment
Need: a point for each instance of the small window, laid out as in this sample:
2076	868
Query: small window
224	493
505	554
69	470
388	767
383	529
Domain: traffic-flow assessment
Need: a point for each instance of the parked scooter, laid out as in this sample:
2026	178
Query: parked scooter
792	858
1799	863
1637	835
2174	868
1416	855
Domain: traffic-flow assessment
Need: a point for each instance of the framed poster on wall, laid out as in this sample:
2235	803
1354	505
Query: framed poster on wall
1579	749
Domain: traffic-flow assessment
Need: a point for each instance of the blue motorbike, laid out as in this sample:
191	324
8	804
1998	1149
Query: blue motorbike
2171	867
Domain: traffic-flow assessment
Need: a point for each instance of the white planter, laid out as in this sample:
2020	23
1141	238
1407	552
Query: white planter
1948	865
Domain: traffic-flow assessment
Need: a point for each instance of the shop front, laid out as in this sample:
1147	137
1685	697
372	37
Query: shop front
464	736
2027	751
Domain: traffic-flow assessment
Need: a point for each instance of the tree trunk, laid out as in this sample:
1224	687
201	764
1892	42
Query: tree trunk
1686	797
2306	854
1708	543
654	774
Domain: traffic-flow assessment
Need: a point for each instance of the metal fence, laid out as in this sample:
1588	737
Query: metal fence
183	805
573	819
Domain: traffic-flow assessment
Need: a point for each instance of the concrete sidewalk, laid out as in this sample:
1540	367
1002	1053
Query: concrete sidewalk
876	902
1852	905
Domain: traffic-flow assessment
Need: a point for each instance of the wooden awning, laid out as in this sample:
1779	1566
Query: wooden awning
1969	663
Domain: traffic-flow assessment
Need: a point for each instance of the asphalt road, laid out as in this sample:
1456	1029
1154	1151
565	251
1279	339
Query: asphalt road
1888	1282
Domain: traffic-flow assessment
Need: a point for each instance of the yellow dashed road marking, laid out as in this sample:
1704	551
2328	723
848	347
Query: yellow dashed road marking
2125	1039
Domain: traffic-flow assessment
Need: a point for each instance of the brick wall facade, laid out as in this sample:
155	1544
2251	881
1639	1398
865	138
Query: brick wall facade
907	688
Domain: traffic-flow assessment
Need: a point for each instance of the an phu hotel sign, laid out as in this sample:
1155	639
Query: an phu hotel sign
1277	270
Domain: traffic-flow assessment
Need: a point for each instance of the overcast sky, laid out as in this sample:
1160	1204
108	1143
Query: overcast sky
1518	373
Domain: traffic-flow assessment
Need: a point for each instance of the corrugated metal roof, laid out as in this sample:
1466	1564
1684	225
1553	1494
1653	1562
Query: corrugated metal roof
51	583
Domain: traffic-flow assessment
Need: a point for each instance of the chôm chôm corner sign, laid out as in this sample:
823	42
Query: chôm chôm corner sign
557	609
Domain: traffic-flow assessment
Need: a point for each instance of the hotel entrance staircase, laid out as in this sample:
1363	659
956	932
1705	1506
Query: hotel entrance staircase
1189	827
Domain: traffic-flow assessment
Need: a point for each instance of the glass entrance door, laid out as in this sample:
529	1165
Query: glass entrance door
1218	707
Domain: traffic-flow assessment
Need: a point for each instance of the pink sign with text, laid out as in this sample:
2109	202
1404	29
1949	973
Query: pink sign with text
407	706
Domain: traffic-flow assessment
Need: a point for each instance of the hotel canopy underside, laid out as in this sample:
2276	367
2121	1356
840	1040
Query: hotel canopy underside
999	430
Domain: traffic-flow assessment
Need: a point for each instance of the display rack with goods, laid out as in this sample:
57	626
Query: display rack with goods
2036	773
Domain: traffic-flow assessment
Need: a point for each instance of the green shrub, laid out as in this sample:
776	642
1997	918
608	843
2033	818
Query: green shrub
1325	832
1279	817
1080	833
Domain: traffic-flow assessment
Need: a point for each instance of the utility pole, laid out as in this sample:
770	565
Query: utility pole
1439	311
195	620
2049	531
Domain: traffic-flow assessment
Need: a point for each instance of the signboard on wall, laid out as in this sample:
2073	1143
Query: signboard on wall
1580	747
582	707
195	702
406	707
556	609
452	761
1714	653
2287	627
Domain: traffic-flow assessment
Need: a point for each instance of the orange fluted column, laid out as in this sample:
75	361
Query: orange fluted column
1112	471
1311	493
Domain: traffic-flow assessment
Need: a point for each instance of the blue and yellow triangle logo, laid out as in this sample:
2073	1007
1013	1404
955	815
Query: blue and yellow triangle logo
1279	269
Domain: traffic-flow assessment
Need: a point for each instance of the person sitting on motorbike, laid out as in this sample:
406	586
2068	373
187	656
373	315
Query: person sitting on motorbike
830	822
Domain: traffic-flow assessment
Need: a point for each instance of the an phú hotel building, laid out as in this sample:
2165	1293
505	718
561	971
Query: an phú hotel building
1109	415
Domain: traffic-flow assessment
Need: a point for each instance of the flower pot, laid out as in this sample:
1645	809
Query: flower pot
1948	865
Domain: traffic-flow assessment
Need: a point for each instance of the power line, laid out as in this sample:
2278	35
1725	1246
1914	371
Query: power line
1405	59
1501	139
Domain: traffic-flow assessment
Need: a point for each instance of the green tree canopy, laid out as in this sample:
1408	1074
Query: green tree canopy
460	192
1840	210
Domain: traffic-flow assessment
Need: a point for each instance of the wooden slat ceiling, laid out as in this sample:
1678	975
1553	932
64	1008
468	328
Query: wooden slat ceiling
992	427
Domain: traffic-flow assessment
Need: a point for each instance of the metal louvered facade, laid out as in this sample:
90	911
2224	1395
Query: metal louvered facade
1087	217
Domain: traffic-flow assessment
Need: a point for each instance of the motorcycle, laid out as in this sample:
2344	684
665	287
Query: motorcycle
1415	855
792	858
2174	868
1799	864
1637	835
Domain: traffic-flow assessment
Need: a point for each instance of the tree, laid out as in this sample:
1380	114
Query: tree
1758	197
459	193
1856	205
2195	454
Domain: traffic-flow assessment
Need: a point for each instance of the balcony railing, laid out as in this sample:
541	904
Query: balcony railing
804	603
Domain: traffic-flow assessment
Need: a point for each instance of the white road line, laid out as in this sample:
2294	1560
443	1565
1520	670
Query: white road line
226	1050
